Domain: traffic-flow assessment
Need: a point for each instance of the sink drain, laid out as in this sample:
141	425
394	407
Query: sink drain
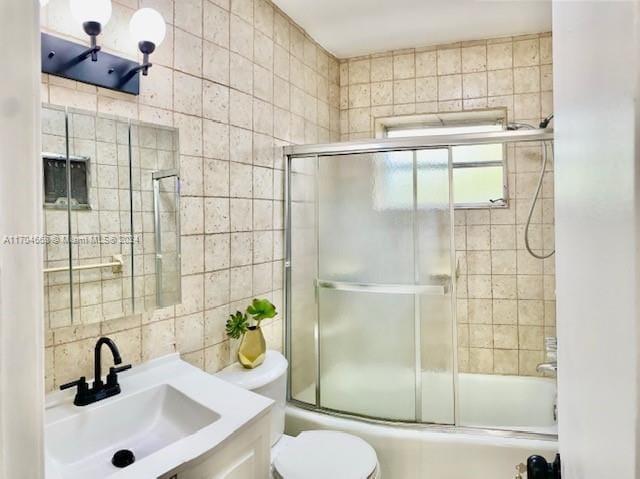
123	458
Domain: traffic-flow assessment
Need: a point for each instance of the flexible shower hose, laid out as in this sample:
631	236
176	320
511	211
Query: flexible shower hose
533	205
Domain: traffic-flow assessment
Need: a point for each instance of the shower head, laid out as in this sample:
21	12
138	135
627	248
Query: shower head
545	123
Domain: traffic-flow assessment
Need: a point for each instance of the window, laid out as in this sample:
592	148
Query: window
479	172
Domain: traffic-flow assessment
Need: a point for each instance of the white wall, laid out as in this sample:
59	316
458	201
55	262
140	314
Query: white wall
21	326
595	59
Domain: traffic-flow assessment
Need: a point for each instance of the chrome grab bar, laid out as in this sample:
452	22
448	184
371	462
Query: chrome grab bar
115	265
431	289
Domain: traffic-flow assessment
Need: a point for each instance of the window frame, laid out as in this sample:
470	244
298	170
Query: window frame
456	119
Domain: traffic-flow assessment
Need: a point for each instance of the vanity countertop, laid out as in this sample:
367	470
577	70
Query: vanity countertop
233	408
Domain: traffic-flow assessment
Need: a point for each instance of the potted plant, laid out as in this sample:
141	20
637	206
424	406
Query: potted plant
253	347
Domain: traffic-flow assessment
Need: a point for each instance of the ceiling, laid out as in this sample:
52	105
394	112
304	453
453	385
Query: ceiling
350	28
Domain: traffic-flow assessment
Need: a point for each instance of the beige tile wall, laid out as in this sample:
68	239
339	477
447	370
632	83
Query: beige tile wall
506	301
510	72
239	79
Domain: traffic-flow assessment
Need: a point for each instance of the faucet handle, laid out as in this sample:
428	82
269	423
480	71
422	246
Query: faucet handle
81	383
112	377
119	369
82	393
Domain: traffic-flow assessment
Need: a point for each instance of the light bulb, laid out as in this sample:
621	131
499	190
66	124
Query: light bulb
147	25
98	11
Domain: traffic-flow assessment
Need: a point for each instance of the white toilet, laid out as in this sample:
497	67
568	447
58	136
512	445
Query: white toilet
312	454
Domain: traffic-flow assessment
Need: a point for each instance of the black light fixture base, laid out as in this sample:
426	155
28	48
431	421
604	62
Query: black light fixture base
147	48
67	59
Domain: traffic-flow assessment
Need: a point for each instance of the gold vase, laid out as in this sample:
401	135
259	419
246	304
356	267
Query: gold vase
253	348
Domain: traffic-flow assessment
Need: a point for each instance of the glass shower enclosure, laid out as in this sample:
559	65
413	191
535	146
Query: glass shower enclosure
371	276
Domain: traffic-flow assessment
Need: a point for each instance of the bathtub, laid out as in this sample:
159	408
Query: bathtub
515	403
417	451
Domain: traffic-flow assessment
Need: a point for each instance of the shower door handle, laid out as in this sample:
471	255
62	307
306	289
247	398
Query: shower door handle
429	289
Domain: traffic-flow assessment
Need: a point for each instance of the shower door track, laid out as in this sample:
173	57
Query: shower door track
421	142
426	426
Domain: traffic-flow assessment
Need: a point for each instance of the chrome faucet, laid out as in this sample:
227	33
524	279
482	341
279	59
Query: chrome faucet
550	367
551	356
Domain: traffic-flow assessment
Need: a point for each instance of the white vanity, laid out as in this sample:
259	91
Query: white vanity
178	421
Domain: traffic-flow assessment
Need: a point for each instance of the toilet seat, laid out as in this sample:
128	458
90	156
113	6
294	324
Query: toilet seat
326	455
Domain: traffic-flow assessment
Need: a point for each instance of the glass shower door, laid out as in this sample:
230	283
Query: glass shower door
434	260
301	294
379	274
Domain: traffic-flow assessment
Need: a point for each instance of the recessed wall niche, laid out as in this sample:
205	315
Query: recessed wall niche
55	181
111	214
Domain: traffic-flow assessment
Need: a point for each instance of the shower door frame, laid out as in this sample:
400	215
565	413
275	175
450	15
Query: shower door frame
431	142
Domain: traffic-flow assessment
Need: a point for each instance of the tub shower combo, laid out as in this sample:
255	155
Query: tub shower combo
371	332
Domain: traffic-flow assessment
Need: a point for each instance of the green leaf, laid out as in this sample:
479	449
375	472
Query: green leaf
261	309
237	325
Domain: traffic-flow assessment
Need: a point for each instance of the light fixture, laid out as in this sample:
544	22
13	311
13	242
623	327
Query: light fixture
43	3
148	28
93	15
61	57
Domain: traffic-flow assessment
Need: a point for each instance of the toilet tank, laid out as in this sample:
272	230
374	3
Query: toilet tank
270	380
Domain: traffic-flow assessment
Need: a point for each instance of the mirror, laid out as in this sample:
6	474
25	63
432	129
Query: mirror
156	213
57	254
112	225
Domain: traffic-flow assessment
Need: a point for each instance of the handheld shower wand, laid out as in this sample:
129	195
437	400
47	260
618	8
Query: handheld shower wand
543	124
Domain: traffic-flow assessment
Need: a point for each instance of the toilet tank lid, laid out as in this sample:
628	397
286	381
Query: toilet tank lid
274	366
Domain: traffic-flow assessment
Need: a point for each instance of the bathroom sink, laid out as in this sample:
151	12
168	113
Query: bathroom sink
148	421
167	414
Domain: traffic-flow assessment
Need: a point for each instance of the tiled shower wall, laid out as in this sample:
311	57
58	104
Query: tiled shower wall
239	80
506	299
